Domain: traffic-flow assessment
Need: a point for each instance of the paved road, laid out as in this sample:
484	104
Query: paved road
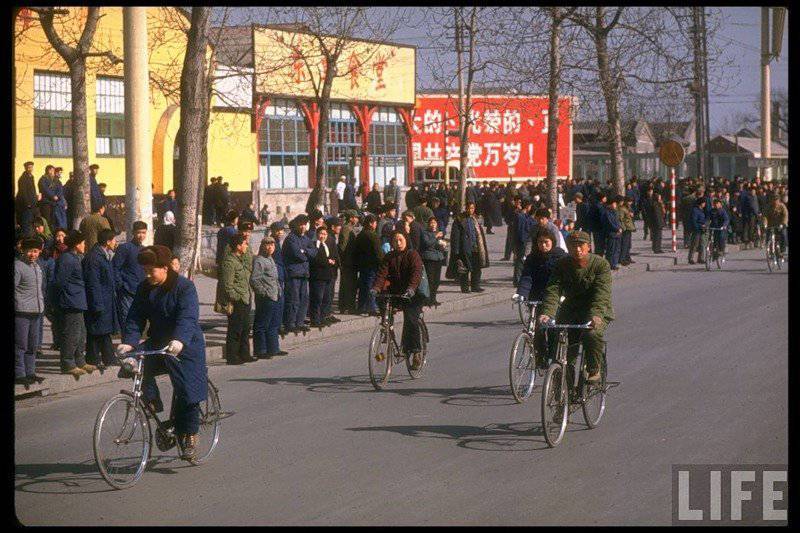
701	358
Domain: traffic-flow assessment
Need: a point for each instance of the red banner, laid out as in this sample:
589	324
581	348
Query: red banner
507	138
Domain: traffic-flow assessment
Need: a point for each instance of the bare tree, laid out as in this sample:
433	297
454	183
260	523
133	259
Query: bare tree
74	53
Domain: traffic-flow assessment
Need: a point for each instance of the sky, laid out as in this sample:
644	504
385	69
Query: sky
739	37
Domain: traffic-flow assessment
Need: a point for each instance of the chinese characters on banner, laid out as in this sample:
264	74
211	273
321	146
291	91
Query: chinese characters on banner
507	137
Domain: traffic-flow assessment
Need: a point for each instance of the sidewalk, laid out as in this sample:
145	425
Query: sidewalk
496	281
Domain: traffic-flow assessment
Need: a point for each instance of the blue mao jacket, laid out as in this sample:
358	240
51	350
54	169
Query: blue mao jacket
101	295
297	251
698	219
610	222
127	270
173	312
69	289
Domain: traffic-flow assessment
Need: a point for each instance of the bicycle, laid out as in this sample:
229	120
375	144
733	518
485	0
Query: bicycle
775	257
712	251
135	430
561	397
522	369
384	352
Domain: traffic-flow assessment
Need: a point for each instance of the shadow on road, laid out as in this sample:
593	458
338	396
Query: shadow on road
478	324
462	396
511	437
75	478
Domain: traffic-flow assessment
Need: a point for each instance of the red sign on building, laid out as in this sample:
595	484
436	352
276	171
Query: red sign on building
507	138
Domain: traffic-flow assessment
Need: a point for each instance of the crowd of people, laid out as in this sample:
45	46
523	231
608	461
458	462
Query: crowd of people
84	283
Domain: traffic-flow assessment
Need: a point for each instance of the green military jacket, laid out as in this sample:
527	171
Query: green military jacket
626	218
587	291
234	278
345	243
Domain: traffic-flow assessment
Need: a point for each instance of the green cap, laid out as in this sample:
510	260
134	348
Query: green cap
579	237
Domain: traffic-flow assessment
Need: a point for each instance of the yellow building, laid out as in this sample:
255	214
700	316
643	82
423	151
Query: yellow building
42	123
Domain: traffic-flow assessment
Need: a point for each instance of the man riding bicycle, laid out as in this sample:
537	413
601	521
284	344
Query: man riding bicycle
401	273
778	218
719	220
584	279
169	304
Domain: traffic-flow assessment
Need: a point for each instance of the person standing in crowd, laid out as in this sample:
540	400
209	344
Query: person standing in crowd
249	214
60	205
432	249
30	286
373	199
442	214
129	273
422	212
491	208
412	229
57	243
223	198
612	229
26	199
367	255
340	188
655	218
541	219
697	235
47	194
277	231
391	193
234	278
511	206
167	305
349	279
101	295
750	213
267	281
321	270
298	251
469	254
778	218
401	273
69	296
97	196
166	231
315	221
625	214
720	220
334	225
208	212
386	223
225	234
412	197
686	207
349	197
169	203
521	236
596	218
92	225
646	209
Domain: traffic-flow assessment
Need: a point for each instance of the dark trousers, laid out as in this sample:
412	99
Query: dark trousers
267	321
100	349
296	302
411	341
26	343
54	315
124	301
72	340
366	302
347	290
625	247
509	243
46	212
697	243
185	415
319	300
656	239
237	345
646	226
613	249
434	271
331	295
519	261
472	279
599	239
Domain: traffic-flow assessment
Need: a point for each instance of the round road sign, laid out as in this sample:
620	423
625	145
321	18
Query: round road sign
671	153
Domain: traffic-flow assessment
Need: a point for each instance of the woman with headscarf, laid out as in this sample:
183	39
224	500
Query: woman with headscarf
165	232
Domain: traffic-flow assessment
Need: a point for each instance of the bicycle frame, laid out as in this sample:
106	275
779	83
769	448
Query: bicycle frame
563	347
387	322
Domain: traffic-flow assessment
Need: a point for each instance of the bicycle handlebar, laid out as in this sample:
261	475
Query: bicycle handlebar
144	353
386	295
521	299
551	324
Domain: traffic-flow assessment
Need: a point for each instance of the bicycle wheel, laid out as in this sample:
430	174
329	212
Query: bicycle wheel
524	313
423	333
708	256
770	248
380	358
522	367
208	435
121	441
720	259
555	405
593	398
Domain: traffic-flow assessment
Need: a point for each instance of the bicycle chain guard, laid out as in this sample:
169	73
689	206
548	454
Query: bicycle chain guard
165	441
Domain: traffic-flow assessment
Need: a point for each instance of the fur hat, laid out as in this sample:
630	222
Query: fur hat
74	238
156	255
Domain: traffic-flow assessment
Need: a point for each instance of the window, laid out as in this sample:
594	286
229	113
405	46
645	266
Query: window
283	147
344	144
388	142
52	122
110	135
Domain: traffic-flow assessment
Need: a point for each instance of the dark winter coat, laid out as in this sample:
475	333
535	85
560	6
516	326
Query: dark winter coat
298	251
536	272
101	294
491	208
129	273
69	288
460	248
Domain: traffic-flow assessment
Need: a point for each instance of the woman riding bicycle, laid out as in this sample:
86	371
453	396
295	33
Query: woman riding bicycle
169	304
400	273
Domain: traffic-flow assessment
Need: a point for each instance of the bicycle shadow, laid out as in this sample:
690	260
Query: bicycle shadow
478	324
507	437
497	395
76	478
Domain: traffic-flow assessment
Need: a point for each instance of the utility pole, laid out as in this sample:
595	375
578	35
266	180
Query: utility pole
698	92
766	129
138	145
707	122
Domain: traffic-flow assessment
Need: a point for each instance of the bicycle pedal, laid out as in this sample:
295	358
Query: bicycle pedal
380	357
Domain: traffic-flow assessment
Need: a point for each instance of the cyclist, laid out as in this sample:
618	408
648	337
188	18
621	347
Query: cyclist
169	303
778	218
720	220
401	273
535	274
584	279
697	222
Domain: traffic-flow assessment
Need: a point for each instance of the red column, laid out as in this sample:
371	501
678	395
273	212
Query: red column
311	115
407	115
363	114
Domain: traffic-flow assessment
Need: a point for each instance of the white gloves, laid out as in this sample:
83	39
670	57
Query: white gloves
124	348
174	347
516	297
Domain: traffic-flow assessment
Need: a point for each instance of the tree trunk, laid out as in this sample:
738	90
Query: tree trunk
192	136
322	134
80	140
611	95
553	114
